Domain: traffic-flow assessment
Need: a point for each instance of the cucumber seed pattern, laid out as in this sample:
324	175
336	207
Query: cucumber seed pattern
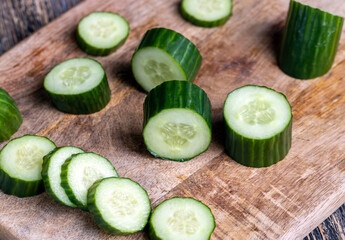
74	76
177	134
184	221
90	176
122	204
29	156
257	112
158	72
209	6
103	28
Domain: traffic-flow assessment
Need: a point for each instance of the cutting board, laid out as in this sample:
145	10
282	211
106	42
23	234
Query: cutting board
284	201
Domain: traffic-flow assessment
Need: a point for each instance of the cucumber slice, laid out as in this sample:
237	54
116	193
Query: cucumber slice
78	86
309	42
10	117
181	218
21	165
51	170
100	33
258	126
164	55
80	171
177	121
206	13
119	205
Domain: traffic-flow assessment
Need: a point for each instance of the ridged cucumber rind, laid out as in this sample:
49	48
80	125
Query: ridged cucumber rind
97	51
181	49
309	43
177	95
10	116
201	22
257	152
87	102
100	220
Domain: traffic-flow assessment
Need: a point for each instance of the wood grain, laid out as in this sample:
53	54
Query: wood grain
285	201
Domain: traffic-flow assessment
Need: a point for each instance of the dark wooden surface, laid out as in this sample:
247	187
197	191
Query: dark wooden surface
20	18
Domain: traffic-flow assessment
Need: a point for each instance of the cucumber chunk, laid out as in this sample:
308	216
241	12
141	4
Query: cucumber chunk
177	121
21	164
164	55
181	218
258	126
310	41
10	117
100	33
206	13
78	86
119	205
51	170
80	171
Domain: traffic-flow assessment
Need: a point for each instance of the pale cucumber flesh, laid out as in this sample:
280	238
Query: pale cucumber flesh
207	10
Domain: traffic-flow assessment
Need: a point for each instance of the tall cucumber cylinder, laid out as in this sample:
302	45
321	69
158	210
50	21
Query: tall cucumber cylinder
177	121
164	55
258	126
78	86
10	117
309	42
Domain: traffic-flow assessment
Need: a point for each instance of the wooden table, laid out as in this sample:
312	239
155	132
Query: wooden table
19	19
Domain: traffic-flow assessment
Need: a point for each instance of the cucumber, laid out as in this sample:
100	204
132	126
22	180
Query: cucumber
258	125
206	13
119	205
164	55
51	170
80	171
10	117
177	121
101	33
21	165
78	86
309	41
181	218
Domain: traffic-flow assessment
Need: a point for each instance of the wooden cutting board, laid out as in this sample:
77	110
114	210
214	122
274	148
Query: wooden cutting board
284	201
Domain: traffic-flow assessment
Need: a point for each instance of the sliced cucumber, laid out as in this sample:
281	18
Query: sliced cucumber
78	86
51	170
206	13
119	205
80	171
100	33
164	55
177	121
10	117
21	165
309	42
181	218
258	126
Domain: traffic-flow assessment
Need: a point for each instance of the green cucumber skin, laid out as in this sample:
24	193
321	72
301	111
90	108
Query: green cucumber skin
18	187
177	46
177	94
10	117
84	103
203	23
93	51
309	42
93	209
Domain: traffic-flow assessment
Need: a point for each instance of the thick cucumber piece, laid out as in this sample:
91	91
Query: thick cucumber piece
181	218
21	165
258	122
100	33
78	86
177	121
206	13
51	170
10	117
80	171
119	205
309	42
164	55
